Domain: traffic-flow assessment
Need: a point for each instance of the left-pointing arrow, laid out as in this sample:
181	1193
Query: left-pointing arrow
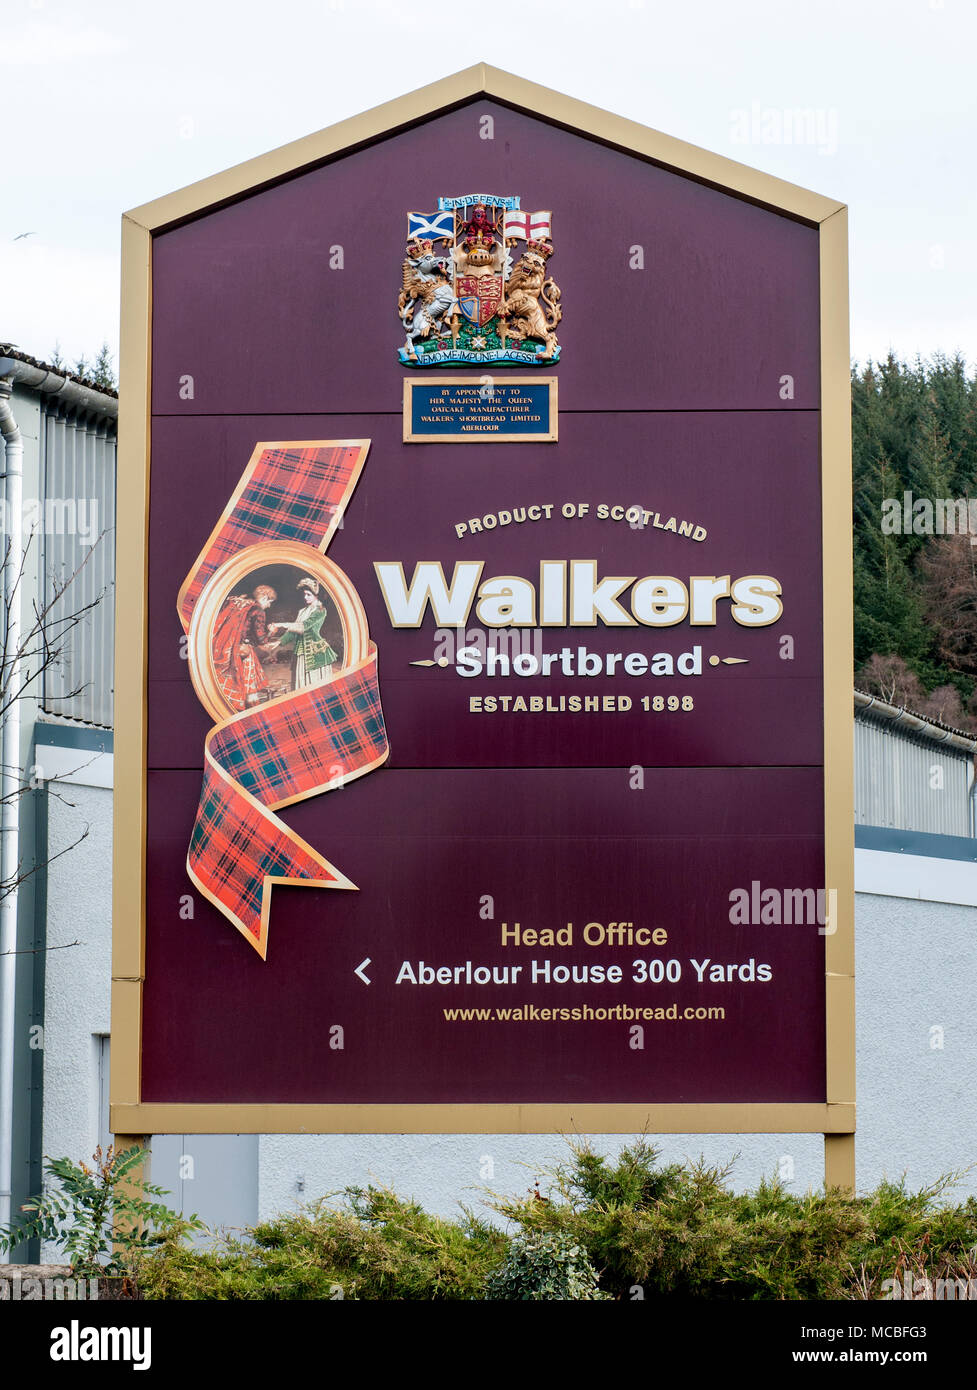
361	971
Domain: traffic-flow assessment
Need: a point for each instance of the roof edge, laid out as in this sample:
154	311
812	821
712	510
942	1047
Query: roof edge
481	79
920	725
57	382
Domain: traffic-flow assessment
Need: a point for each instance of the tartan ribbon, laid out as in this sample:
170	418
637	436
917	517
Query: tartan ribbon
272	755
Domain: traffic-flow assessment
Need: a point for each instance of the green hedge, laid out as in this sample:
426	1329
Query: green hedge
646	1231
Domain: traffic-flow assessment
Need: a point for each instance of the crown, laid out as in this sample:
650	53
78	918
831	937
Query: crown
542	248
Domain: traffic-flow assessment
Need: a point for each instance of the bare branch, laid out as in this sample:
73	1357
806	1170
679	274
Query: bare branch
40	642
10	885
38	950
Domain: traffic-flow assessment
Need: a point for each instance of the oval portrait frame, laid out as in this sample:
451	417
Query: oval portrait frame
352	616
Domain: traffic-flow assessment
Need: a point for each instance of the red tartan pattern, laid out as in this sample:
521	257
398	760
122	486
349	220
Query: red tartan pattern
292	494
253	682
288	750
238	847
279	753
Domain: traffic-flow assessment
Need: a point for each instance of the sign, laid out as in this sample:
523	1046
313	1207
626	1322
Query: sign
480	409
499	789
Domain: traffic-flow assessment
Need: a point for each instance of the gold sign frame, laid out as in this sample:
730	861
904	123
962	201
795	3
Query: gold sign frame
835	1117
298	556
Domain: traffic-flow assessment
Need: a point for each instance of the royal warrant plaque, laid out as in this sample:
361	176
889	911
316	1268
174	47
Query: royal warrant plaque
483	409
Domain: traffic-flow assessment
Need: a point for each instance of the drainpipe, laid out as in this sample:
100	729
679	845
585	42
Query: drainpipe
10	782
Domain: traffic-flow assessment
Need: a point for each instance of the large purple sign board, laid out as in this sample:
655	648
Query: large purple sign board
584	863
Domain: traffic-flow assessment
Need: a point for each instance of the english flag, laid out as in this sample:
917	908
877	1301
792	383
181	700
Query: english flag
530	226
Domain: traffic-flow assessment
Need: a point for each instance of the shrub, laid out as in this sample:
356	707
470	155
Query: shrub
604	1226
678	1231
544	1266
372	1245
100	1216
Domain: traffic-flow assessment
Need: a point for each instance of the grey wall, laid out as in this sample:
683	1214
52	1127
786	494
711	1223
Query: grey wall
78	978
442	1170
78	544
910	783
212	1175
916	973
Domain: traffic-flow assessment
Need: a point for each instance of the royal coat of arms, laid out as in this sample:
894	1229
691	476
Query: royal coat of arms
469	295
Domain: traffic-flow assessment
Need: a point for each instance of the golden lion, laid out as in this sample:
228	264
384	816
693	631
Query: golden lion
532	303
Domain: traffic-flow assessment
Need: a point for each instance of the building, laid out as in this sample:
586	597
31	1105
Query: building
53	1056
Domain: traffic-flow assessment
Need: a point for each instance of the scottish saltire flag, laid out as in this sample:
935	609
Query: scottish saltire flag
530	226
430	225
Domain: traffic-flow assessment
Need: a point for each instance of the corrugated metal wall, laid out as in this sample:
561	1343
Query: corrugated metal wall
910	783
78	549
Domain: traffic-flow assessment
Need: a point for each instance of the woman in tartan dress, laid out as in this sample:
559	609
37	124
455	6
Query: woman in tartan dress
314	657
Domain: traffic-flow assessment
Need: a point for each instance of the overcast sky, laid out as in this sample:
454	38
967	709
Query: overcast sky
108	103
